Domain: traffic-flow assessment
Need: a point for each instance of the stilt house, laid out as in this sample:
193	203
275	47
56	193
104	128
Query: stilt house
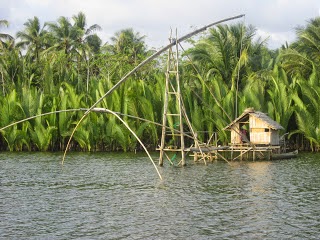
254	127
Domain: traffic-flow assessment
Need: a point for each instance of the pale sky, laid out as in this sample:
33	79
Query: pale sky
275	19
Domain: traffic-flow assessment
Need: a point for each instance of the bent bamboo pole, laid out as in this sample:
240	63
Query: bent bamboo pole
36	116
104	110
149	59
86	109
96	110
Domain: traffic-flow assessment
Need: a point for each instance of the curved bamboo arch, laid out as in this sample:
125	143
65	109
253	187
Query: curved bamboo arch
104	110
94	110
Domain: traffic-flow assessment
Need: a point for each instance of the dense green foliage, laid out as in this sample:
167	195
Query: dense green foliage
62	65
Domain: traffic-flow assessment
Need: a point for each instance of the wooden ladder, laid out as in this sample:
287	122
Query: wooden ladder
172	93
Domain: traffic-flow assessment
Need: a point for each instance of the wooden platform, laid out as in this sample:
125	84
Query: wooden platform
234	152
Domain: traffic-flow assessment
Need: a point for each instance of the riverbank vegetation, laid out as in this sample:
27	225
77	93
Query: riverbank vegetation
64	65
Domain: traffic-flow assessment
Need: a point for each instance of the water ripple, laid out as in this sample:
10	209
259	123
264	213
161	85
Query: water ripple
118	196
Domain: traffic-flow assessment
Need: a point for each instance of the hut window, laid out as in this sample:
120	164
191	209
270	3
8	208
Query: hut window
266	130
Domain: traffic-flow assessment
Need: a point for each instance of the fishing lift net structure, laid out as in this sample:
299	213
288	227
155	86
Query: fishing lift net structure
172	90
173	137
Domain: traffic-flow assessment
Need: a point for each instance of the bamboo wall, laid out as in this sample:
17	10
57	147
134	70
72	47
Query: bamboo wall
259	131
235	137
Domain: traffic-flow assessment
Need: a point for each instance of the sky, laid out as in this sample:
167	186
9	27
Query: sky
273	19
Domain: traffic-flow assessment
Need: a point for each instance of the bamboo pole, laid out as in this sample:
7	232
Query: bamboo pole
195	156
94	110
243	152
182	146
97	110
165	110
36	116
149	59
194	134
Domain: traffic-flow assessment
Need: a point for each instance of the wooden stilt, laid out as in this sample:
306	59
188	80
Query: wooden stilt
195	157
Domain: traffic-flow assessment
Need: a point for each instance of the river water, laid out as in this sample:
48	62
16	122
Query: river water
120	196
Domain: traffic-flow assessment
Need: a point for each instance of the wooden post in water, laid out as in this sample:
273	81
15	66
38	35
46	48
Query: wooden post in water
164	116
182	146
195	156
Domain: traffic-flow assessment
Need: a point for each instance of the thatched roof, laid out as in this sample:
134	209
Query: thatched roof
260	115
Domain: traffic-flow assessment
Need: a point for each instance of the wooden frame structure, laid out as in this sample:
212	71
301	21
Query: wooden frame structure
179	117
172	92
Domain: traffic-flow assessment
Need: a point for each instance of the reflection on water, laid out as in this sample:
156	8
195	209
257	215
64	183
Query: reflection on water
119	196
261	177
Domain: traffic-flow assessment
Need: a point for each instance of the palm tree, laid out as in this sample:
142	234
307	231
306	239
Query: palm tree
64	35
11	111
307	110
76	41
94	42
11	67
280	92
309	40
86	43
139	103
223	52
301	60
6	44
227	55
33	37
80	24
301	57
129	43
41	136
4	36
